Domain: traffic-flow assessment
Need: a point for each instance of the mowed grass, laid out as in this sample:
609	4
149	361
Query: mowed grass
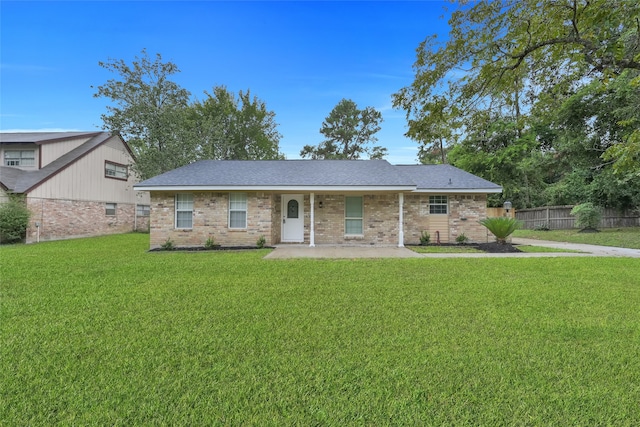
620	237
100	332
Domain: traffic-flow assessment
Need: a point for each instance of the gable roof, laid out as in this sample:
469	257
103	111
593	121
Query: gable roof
22	181
315	175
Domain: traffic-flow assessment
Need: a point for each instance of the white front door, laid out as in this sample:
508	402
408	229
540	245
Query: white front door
293	218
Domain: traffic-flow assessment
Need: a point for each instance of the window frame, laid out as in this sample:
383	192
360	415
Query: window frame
437	203
179	208
120	171
143	210
354	218
110	209
234	208
20	159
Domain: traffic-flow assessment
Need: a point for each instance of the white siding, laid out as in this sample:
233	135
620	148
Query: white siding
52	151
85	179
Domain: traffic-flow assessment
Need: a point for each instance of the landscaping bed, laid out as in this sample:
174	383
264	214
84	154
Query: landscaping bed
492	247
215	248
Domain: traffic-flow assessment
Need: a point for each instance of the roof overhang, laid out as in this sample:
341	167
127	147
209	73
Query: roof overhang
459	190
288	188
311	188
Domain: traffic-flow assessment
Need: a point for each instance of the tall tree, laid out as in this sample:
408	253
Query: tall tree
148	112
349	133
166	130
509	54
230	127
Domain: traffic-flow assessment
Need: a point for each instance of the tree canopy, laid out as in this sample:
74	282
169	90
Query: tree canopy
349	132
535	95
166	129
228	127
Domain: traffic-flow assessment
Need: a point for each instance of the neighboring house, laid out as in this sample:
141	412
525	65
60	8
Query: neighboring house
337	202
76	184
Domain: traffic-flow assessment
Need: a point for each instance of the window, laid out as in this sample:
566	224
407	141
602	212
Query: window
292	209
237	210
353	215
184	210
110	209
437	204
143	210
115	170
20	158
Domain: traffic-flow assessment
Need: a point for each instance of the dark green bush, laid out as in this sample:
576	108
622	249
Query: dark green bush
425	237
14	220
587	216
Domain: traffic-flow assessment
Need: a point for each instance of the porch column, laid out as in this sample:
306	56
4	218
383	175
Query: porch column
401	224
312	237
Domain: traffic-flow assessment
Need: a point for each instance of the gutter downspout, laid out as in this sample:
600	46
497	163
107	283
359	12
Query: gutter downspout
401	221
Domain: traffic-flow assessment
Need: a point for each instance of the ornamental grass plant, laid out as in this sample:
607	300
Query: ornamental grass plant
501	227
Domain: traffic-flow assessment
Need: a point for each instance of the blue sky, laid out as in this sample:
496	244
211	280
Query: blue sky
300	58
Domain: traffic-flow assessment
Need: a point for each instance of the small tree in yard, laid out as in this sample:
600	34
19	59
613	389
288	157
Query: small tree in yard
587	216
501	227
14	219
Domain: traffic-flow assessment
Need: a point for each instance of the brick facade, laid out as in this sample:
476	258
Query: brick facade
210	220
264	218
67	219
465	210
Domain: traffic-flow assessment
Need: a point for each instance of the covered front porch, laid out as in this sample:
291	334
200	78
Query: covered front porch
345	218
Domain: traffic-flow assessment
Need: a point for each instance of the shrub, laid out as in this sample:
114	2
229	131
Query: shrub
14	220
425	237
543	226
260	242
462	239
210	243
501	227
587	216
168	245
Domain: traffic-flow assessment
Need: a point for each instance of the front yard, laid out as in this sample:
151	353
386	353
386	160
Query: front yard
99	331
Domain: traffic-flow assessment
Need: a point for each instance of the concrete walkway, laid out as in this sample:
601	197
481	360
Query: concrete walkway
593	250
328	251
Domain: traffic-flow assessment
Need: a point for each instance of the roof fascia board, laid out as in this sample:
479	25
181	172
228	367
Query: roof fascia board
309	188
459	190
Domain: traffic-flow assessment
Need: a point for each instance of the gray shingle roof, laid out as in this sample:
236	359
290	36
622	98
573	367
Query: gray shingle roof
41	137
23	181
321	174
282	173
445	177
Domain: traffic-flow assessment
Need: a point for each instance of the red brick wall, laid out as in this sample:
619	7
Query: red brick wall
66	219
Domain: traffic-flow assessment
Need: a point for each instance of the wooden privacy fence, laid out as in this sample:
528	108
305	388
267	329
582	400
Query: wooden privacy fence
559	218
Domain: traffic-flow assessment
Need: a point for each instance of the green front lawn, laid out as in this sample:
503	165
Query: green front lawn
100	332
620	237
